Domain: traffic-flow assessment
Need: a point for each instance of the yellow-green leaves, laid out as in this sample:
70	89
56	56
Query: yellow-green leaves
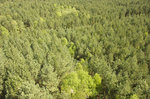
35	23
2	70
97	79
61	10
3	31
146	34
59	13
72	48
71	82
79	66
12	85
14	25
41	20
64	41
79	84
134	96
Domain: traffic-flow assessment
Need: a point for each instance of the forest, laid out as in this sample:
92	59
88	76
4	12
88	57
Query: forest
74	49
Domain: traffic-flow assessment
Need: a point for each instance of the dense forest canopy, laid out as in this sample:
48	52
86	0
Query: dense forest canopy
74	49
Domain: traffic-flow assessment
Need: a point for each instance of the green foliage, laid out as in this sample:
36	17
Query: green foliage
72	49
97	81
60	49
3	31
134	96
79	84
2	70
59	13
146	34
29	90
12	85
62	11
48	79
64	41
